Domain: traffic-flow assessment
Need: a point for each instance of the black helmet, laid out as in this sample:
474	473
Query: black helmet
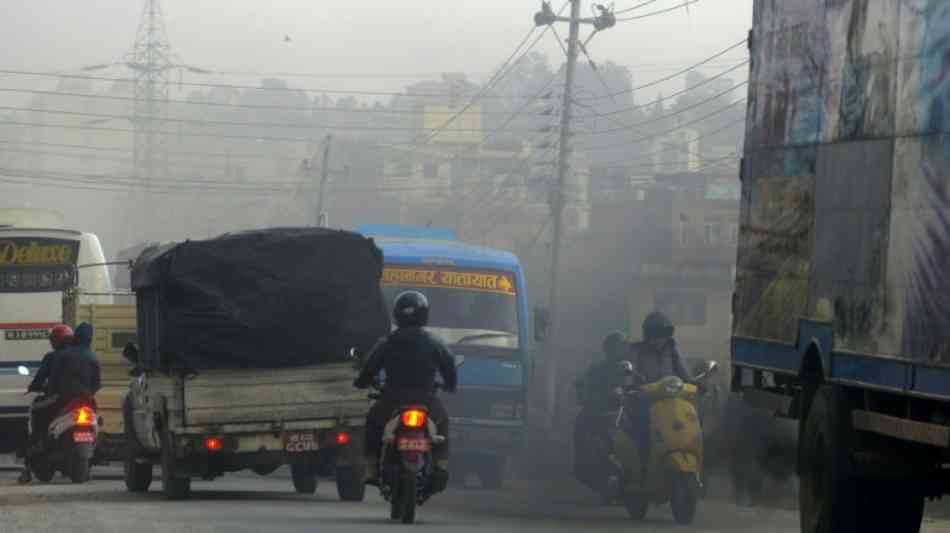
613	343
411	310
657	326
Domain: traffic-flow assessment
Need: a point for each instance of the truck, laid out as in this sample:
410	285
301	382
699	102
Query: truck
480	309
841	315
245	358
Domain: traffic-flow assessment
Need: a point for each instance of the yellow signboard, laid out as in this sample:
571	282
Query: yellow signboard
33	252
471	280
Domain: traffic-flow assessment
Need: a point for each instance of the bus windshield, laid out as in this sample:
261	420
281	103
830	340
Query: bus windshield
474	307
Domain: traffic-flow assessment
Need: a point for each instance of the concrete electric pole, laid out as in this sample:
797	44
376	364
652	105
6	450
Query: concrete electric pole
320	214
547	17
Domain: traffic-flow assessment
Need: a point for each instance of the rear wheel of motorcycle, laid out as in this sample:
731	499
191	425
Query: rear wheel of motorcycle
138	476
349	483
407	496
305	478
684	499
174	486
78	466
636	506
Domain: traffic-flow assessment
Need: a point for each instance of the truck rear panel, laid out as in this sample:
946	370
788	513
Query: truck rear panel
844	200
219	397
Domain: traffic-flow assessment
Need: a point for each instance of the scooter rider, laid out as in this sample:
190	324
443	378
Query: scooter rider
655	357
60	339
411	358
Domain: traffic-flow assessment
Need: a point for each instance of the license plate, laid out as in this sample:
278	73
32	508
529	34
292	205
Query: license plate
413	445
300	442
84	437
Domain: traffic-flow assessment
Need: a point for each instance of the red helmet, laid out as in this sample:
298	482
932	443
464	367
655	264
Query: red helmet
60	336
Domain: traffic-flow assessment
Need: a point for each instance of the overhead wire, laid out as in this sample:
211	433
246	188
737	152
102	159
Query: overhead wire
660	12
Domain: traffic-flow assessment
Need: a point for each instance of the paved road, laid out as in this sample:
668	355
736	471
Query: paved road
239	504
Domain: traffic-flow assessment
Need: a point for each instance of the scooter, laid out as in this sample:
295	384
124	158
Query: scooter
405	463
70	442
674	468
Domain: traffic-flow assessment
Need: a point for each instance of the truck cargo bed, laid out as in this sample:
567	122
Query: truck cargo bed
248	396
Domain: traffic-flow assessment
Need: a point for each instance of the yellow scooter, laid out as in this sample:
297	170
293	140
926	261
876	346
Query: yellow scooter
674	467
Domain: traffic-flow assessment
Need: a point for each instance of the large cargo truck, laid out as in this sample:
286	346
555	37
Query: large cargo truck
842	303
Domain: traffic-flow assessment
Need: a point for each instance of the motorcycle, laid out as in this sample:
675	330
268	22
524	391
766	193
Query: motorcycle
406	463
674	467
70	442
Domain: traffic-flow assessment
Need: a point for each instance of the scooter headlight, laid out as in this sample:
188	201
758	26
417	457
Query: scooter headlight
673	386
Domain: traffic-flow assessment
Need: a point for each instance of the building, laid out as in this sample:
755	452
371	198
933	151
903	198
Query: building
686	264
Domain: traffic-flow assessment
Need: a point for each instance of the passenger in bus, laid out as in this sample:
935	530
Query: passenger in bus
61	338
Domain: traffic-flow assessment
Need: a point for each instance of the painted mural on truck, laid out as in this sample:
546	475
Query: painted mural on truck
921	215
851	117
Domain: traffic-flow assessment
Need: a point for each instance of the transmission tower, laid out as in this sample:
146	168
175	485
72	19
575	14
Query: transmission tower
151	60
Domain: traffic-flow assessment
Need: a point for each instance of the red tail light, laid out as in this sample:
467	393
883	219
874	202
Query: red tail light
214	444
414	418
342	438
83	416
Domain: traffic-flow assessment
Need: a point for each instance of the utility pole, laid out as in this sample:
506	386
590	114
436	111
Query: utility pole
547	17
324	177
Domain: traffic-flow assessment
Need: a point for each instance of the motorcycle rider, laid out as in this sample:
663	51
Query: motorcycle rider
79	373
411	358
41	413
594	393
655	357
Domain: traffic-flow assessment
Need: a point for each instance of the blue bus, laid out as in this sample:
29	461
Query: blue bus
480	309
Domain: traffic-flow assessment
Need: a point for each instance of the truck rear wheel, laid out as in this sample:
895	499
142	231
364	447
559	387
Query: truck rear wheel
349	483
138	476
304	477
889	505
828	495
175	486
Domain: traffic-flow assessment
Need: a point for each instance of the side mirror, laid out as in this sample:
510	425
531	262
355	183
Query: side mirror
711	368
541	322
23	371
626	368
351	354
131	353
459	360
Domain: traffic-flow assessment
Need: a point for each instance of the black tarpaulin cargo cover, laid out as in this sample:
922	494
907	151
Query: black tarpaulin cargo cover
259	299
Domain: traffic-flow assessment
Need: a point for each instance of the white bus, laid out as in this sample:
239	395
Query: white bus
36	266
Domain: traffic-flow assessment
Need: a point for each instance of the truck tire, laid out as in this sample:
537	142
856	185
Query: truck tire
828	495
138	476
174	485
349	483
891	506
304	477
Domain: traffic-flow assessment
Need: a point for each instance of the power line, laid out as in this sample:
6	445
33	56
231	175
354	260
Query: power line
660	12
667	132
671	76
636	7
231	86
206	122
668	116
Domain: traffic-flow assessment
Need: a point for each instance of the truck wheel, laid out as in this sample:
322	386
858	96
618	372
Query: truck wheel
174	485
890	506
827	500
349	483
305	478
492	474
138	476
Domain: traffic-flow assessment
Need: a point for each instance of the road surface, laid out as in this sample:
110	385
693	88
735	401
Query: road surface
246	503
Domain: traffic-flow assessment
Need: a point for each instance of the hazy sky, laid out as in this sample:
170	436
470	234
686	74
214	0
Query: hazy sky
381	44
